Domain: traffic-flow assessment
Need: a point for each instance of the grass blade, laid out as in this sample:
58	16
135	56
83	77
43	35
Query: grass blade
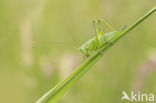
53	95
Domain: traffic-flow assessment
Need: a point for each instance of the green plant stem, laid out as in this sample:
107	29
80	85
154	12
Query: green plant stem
55	93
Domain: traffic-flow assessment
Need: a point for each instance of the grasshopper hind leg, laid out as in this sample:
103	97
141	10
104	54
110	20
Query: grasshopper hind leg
100	51
86	55
98	47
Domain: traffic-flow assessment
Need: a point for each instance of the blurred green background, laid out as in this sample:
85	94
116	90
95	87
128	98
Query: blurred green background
39	41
